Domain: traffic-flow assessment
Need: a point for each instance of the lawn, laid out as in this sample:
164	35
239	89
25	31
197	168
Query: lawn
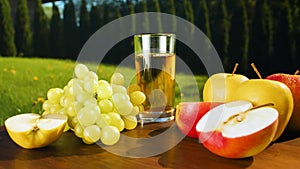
25	81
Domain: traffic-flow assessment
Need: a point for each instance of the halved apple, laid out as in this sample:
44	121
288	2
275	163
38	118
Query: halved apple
237	129
189	113
31	130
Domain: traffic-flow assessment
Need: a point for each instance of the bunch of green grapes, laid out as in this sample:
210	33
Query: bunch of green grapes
96	109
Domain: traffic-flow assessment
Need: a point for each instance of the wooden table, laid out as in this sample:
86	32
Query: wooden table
70	152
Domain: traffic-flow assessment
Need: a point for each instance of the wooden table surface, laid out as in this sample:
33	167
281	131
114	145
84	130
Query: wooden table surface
70	152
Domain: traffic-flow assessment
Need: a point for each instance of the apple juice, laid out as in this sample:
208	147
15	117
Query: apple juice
156	77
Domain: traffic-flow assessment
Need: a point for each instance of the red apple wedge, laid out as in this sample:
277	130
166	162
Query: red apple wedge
238	130
189	113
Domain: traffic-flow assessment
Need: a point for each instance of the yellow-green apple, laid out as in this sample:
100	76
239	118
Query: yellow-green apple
293	82
237	129
31	130
221	86
188	115
262	91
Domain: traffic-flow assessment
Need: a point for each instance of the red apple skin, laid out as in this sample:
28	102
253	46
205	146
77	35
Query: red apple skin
189	113
293	83
240	147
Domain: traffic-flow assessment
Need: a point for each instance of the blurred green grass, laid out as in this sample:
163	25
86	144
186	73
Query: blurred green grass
24	81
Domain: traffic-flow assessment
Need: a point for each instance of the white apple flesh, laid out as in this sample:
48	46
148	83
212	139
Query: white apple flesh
31	130
237	130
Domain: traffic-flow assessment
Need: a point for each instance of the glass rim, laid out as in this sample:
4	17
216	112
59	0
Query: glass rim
155	35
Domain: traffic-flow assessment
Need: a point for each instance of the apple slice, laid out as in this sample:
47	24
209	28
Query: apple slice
31	130
237	130
189	113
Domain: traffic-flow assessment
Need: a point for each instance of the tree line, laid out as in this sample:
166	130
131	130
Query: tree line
266	32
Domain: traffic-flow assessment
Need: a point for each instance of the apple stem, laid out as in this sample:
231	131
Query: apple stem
234	69
256	70
297	72
262	105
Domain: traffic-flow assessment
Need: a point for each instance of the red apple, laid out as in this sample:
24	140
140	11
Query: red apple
188	115
237	130
293	82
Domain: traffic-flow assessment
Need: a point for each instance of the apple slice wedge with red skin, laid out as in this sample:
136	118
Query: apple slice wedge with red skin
237	130
189	113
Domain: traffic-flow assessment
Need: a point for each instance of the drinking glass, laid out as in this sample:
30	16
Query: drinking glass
155	61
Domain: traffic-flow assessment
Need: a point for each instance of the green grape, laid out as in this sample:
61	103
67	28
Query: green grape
141	108
71	112
94	107
110	135
137	97
76	88
133	87
135	111
122	104
124	108
55	94
82	97
118	89
117	78
91	76
54	108
81	70
106	106
47	105
91	133
103	82
87	141
90	100
90	86
72	122
103	120
62	111
78	130
116	121
46	112
104	90
70	83
130	122
118	98
77	106
66	100
87	116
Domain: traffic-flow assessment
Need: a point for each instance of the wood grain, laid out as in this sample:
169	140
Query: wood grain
70	152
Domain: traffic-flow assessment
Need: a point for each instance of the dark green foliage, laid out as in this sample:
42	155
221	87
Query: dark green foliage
239	34
220	27
154	6
202	19
84	24
142	7
262	31
56	33
7	32
261	42
41	43
284	44
95	18
71	43
23	33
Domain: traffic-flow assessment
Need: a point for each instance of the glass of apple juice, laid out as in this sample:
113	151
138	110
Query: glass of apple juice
155	62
